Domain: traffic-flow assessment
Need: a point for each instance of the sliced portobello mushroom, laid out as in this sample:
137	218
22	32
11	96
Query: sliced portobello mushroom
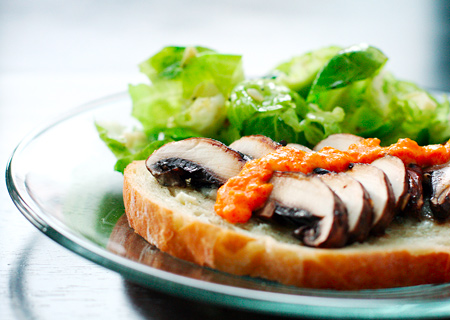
437	184
356	199
319	216
299	147
377	184
201	162
340	141
255	146
414	200
396	172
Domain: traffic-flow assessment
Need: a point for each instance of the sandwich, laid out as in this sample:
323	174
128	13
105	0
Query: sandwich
373	224
326	172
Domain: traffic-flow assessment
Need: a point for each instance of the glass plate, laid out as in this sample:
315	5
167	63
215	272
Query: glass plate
61	178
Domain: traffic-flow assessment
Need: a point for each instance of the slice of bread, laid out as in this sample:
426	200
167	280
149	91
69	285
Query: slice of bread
182	222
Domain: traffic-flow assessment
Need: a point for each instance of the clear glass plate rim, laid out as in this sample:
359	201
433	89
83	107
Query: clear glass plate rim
63	235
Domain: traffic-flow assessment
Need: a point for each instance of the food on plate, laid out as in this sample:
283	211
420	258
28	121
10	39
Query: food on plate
310	232
317	174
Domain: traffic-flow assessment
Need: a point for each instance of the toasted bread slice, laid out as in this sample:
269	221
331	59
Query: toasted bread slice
182	222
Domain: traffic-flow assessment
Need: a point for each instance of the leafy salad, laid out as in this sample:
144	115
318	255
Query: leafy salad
196	91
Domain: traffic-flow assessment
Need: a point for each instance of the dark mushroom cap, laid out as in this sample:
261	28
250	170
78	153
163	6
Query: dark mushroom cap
437	182
320	215
414	200
201	161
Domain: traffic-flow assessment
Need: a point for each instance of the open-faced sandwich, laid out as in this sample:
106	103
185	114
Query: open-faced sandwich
255	177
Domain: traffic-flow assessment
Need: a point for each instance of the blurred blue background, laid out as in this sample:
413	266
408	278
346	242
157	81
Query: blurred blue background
111	37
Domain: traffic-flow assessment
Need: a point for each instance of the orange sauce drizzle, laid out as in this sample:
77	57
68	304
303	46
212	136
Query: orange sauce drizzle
249	190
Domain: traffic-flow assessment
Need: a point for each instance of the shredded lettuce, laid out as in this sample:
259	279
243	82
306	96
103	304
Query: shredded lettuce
196	91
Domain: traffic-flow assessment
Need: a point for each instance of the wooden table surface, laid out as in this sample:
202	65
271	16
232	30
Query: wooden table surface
55	56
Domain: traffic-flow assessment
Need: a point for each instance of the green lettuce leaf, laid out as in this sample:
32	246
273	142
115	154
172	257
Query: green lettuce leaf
196	91
418	115
347	66
168	63
133	144
264	106
389	109
319	124
189	89
299	72
193	67
186	97
156	105
222	70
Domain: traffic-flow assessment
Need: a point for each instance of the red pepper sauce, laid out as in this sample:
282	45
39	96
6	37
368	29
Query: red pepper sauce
249	190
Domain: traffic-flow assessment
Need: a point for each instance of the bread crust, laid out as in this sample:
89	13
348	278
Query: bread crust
381	263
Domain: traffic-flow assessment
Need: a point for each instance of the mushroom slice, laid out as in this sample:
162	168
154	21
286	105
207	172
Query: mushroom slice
204	162
437	180
395	170
340	141
299	147
255	146
414	202
357	201
306	201
377	184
